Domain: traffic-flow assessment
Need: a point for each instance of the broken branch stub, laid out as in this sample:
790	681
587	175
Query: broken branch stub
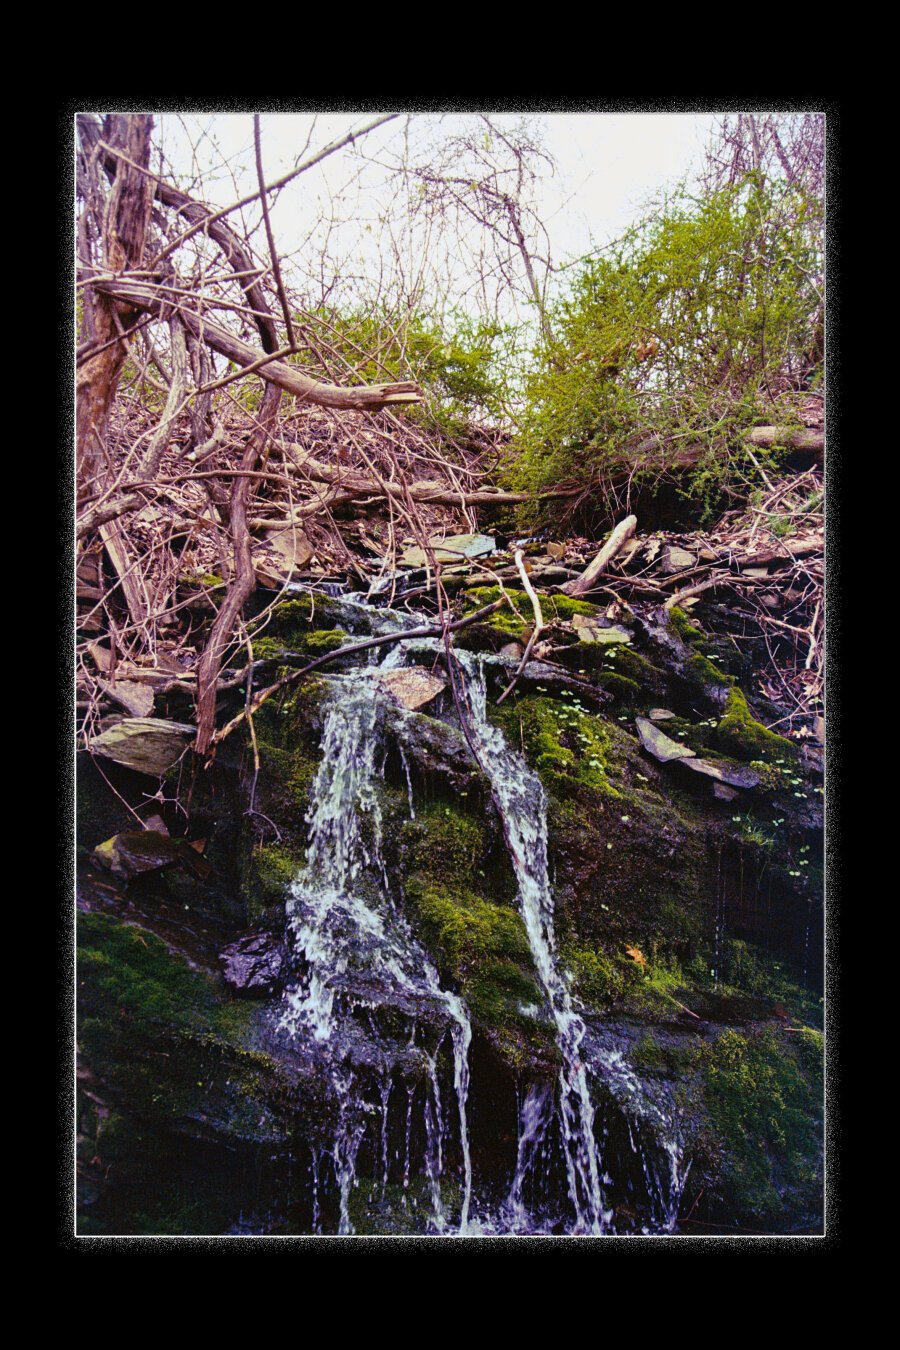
616	541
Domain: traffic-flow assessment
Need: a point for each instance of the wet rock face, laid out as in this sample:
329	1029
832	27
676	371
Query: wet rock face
666	900
254	965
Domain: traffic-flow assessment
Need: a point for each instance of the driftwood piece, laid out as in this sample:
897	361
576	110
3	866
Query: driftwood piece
619	537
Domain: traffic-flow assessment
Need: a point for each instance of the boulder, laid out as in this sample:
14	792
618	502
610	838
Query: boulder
254	965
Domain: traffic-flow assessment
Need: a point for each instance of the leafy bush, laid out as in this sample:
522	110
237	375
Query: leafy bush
676	339
457	360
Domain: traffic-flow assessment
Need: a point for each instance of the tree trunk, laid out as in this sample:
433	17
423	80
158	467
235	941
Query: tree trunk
124	231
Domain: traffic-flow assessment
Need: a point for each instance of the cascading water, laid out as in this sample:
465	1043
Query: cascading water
522	804
354	947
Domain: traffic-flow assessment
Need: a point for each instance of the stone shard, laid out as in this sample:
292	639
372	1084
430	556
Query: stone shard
660	714
254	965
453	548
676	559
659	745
146	744
292	550
135	698
413	687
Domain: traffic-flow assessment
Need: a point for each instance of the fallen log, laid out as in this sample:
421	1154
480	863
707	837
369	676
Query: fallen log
792	438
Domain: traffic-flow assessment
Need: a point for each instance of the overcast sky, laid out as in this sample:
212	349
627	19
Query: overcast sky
608	165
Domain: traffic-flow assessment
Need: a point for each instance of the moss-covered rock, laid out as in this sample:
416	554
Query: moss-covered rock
763	1098
565	743
739	734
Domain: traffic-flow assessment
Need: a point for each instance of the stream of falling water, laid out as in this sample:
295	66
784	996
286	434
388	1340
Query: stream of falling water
522	804
352	939
350	934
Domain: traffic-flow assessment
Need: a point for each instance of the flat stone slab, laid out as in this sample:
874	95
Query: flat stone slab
452	548
735	775
659	745
147	744
413	687
590	630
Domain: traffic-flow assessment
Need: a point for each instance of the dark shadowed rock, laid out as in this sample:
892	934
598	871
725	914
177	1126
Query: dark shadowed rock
136	851
253	965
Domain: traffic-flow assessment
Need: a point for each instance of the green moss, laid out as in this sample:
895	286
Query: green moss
739	734
763	1098
299	615
698	667
129	969
447	844
209	580
597	979
323	640
623	690
268	871
666	1059
687	631
168	1043
706	672
555	608
483	947
479	944
563	742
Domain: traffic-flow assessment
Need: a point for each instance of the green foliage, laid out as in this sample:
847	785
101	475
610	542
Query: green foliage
749	970
457	359
598	979
676	331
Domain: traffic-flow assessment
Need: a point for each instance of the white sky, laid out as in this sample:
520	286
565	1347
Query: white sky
608	163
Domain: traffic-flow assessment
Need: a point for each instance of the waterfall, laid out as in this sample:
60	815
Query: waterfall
354	948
